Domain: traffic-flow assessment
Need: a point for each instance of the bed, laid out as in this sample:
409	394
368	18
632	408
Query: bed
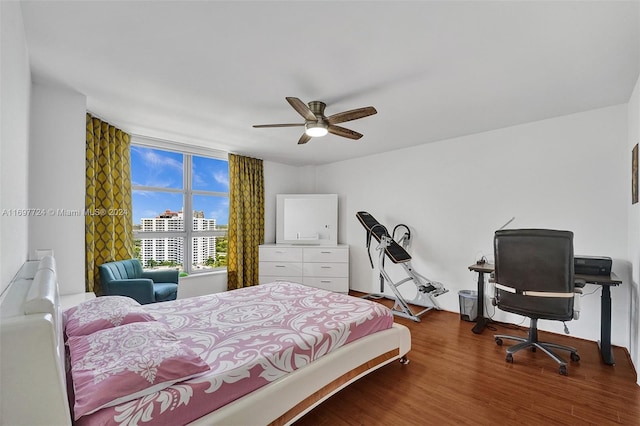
263	355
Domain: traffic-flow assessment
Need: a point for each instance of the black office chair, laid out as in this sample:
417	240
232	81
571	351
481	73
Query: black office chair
534	277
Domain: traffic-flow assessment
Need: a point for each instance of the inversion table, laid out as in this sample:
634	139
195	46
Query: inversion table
428	290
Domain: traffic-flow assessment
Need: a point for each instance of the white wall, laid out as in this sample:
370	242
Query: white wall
57	180
565	173
282	179
15	86
633	135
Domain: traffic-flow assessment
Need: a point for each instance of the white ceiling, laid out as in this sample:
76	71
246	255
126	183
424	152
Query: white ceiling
204	72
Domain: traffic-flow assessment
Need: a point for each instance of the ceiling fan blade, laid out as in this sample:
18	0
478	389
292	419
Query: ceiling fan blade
278	125
302	109
353	114
304	139
345	133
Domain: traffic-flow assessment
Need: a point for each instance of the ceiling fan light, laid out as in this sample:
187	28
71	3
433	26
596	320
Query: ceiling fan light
316	130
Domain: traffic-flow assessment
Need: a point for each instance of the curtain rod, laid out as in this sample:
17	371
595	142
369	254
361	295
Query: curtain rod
152	141
173	145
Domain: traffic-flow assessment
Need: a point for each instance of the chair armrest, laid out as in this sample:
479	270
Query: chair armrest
162	275
140	289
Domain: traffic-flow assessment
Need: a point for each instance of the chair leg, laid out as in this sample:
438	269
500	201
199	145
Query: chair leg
531	341
499	337
561	347
552	354
520	346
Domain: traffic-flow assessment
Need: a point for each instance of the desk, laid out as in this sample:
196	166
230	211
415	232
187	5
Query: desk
605	311
605	305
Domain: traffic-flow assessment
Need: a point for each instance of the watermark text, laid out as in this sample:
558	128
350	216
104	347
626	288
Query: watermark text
51	212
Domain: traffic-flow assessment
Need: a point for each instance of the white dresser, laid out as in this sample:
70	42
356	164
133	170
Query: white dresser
324	267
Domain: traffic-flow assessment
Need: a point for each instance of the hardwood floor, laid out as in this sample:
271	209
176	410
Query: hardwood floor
458	377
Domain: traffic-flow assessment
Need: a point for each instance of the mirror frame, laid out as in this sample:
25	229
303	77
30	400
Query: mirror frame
322	224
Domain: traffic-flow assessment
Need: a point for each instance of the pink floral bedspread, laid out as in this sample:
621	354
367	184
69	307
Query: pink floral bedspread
249	337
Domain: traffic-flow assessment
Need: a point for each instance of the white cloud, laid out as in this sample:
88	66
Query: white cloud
221	177
152	159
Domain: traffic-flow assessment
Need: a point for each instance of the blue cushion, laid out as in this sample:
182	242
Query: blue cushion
165	291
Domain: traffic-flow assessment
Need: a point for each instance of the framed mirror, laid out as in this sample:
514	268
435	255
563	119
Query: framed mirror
309	219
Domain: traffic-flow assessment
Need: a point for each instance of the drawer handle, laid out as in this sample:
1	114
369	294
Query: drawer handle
325	281
326	252
280	266
325	267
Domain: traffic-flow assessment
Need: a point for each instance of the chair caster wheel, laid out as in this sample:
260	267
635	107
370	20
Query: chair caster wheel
498	341
404	360
509	358
575	357
563	370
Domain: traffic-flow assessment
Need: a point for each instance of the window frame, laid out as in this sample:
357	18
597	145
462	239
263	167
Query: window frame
187	191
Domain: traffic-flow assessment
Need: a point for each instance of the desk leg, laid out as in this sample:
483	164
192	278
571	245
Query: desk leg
605	326
481	321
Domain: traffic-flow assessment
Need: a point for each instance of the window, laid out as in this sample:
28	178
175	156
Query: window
180	209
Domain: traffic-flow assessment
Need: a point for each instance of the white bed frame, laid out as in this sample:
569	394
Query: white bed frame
32	373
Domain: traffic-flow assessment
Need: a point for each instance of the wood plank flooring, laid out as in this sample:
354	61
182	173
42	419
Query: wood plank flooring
456	377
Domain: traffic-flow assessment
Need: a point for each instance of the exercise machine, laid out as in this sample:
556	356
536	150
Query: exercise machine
395	250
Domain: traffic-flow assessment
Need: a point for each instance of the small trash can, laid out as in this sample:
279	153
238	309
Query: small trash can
468	304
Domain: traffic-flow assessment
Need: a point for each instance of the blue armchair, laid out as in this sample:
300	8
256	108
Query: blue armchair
126	278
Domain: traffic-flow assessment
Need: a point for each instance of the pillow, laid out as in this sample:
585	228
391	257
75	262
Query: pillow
103	312
116	365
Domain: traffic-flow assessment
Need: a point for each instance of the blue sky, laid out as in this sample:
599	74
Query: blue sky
163	169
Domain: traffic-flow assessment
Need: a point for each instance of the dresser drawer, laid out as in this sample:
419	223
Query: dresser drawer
281	269
340	285
266	279
322	254
280	254
326	269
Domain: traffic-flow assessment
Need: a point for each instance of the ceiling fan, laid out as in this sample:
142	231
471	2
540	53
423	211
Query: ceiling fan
317	124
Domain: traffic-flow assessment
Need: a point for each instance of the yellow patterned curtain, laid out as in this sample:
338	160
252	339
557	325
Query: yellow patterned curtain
246	220
108	223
